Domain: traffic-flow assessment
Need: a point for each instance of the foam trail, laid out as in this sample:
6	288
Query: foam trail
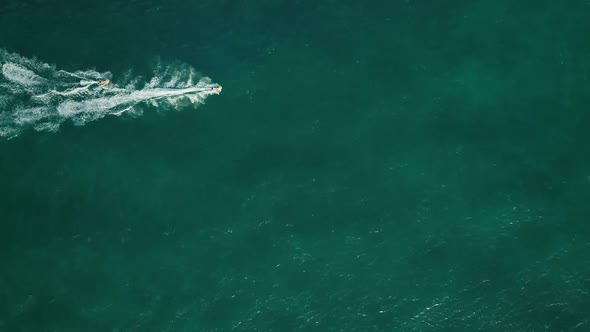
36	95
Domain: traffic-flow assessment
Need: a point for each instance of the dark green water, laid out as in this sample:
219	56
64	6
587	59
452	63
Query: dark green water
385	166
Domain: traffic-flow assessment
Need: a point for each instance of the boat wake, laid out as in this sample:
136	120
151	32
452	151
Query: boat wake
37	95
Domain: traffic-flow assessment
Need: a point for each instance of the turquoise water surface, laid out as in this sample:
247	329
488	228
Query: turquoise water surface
379	166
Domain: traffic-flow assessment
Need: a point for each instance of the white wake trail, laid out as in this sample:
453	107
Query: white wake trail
36	95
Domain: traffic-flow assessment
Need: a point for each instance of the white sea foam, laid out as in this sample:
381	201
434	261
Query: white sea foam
36	95
20	75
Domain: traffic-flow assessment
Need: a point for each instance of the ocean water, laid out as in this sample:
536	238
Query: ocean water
380	166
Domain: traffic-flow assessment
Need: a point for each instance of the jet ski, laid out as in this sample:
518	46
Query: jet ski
216	89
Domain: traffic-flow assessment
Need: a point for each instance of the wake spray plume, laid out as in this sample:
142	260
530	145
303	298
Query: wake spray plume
36	95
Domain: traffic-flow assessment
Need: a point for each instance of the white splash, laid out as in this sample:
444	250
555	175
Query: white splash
37	95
